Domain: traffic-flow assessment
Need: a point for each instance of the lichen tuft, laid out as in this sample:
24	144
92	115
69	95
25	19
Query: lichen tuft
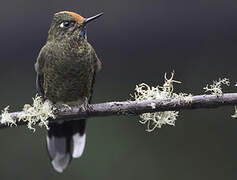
216	87
39	112
6	117
158	119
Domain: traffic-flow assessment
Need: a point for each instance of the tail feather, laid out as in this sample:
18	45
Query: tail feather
64	142
79	142
59	153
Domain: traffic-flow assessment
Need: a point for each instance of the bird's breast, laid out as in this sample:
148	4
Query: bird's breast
68	77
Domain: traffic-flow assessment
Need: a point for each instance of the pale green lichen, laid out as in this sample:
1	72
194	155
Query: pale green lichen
37	113
6	117
216	87
158	119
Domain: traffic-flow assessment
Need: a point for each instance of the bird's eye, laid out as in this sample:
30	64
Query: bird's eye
66	24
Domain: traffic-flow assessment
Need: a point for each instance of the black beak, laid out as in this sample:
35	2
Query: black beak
92	18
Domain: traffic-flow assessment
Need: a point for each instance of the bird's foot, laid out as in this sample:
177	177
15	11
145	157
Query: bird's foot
62	107
67	106
85	105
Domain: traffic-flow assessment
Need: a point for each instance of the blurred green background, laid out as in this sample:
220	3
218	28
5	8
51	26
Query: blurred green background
137	41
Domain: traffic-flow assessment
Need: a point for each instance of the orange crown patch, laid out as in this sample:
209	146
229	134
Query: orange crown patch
76	16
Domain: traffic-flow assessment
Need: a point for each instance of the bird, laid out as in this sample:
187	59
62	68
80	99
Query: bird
66	68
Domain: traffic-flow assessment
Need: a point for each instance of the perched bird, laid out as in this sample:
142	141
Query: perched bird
66	68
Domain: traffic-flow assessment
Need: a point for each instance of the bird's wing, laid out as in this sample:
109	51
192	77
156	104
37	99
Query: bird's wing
97	62
39	84
39	70
97	66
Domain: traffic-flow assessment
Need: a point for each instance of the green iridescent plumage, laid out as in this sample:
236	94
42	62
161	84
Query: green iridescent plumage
66	69
67	62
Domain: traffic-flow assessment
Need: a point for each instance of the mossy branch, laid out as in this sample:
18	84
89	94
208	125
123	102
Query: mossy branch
137	107
156	106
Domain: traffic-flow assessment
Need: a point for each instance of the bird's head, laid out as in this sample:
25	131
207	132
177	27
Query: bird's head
68	24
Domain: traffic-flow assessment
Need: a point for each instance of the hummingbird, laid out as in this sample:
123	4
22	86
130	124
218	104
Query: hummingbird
66	68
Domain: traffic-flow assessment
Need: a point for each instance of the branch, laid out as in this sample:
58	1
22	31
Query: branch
138	107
